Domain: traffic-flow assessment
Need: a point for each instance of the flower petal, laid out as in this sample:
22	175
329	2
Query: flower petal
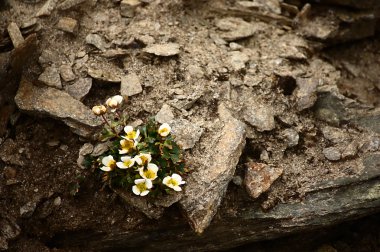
177	188
121	165
148	183
144	193
128	129
135	190
105	168
153	167
106	160
176	177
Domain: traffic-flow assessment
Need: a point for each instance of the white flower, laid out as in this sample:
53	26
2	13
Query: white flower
126	146
142	187
164	130
150	172
109	163
99	110
131	134
174	182
114	102
126	162
143	158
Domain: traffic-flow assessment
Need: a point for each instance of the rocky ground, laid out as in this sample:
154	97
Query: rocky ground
276	103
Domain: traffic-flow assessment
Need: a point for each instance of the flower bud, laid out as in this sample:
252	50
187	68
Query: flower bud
114	102
99	110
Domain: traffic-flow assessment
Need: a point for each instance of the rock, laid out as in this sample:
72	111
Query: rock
65	5
53	143
237	60
306	94
47	56
130	85
47	8
194	72
235	46
264	5
86	149
237	180
115	53
364	4
51	78
100	149
97	41
128	7
369	122
9	172
104	75
67	73
186	134
80	88
165	50
15	34
259	177
332	153
28	209
334	135
207	185
57	104
330	109
9	153
165	114
57	201
236	28
259	116
9	230
350	150
291	137
67	24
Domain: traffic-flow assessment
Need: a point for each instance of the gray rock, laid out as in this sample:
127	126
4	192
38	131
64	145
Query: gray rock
237	180
67	73
264	5
97	41
332	153
306	94
65	5
259	177
236	28
100	149
57	104
259	116
330	109
235	46
291	137
80	88
207	185
194	72
51	78
237	60
369	122
165	114
28	209
67	24
334	135
47	56
47	8
350	150
86	149
57	201
106	75
128	7
15	34
130	85
186	134
169	49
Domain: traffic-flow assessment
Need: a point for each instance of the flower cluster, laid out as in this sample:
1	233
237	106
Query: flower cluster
145	160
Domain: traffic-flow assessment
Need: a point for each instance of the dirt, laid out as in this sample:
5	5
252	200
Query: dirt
43	173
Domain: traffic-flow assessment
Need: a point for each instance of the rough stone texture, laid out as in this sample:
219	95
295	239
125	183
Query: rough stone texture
57	104
97	41
237	60
130	85
334	135
47	8
67	73
165	50
186	134
291	137
332	153
259	116
15	34
65	5
67	24
128	7
100	148
207	185
28	209
165	114
104	75
330	109
306	94
236	28
9	230
363	4
80	88
259	177
51	78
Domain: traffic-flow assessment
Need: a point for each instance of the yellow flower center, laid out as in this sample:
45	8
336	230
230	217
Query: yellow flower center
131	135
144	159
126	145
173	182
149	174
141	187
164	131
112	164
127	162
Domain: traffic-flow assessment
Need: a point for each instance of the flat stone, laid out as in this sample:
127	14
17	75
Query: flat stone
51	78
47	56
130	85
259	116
330	109
334	135
207	185
67	24
165	114
128	7
186	134
100	149
96	40
47	8
332	153
237	60
169	49
306	94
104	75
86	149
259	177
236	28
80	88
264	5
57	104
291	137
15	34
67	73
65	5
